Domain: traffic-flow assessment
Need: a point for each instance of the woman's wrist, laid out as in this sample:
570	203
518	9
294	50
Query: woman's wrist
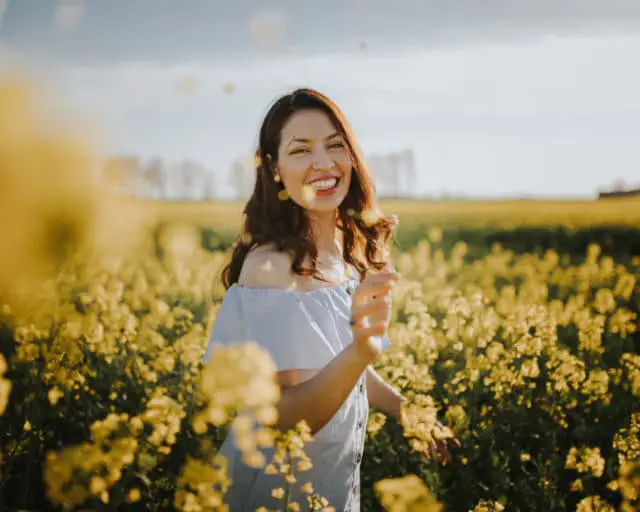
361	354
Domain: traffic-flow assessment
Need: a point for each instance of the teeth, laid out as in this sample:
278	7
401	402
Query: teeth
324	184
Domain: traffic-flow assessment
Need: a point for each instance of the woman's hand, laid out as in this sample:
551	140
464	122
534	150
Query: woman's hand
370	311
441	438
382	314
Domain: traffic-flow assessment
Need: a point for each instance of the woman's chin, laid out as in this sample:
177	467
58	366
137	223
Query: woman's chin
326	204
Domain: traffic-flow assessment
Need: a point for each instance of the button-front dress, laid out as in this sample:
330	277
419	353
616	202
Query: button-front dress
300	330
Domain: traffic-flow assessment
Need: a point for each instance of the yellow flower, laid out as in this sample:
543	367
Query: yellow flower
488	506
586	460
5	386
594	504
278	493
406	494
54	395
133	496
375	422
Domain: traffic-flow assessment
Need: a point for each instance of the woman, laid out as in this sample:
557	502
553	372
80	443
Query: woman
310	227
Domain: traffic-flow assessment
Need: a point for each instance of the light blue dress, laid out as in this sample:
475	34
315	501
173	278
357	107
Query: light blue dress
300	330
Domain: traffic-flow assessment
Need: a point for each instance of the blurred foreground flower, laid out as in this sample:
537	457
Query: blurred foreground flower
5	385
408	494
79	472
52	205
240	379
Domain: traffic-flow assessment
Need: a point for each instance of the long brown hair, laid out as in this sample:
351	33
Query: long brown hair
269	219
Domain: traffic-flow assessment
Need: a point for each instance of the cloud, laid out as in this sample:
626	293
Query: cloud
3	7
169	31
566	85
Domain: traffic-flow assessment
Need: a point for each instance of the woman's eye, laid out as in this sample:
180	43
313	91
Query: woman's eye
297	151
336	145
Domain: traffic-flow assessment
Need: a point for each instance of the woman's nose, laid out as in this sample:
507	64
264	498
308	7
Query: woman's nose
321	159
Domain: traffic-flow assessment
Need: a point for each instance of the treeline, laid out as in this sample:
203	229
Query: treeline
188	179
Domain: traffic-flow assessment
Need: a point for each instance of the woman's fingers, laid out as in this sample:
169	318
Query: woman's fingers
371	301
379	304
443	452
433	450
376	284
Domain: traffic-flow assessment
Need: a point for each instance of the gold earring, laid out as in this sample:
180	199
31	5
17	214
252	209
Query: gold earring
276	178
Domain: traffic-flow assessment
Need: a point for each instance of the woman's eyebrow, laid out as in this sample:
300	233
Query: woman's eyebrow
300	139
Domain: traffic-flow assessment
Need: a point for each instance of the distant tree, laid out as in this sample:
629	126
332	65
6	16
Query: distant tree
395	175
394	172
619	184
193	176
211	187
380	169
409	161
155	177
242	177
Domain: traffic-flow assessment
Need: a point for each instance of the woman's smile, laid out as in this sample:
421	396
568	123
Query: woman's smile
326	186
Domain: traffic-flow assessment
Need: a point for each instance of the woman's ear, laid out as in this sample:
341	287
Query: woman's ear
270	162
271	167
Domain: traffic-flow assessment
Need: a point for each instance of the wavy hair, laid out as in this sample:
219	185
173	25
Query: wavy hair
268	219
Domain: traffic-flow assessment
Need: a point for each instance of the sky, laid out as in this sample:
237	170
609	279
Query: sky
497	98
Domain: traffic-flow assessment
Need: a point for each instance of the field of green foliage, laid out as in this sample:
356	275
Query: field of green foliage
522	338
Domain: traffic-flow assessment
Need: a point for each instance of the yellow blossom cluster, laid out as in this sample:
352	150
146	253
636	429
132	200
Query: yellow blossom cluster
201	485
628	484
375	422
407	494
631	363
585	460
488	506
288	461
626	441
5	385
90	469
594	504
236	378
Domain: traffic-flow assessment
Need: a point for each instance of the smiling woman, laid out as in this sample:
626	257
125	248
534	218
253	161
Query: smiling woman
323	326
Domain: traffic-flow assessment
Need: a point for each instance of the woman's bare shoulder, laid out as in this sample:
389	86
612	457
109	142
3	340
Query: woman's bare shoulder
266	267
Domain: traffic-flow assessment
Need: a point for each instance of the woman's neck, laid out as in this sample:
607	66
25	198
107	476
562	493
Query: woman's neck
323	225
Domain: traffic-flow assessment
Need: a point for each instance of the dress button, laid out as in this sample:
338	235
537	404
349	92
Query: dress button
350	289
355	488
360	423
361	387
359	458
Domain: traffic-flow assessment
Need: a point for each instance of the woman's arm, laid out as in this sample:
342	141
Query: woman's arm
318	399
382	395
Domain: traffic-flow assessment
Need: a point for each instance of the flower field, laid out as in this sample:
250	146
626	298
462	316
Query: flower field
517	327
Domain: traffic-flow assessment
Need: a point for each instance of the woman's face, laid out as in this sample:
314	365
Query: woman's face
314	162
